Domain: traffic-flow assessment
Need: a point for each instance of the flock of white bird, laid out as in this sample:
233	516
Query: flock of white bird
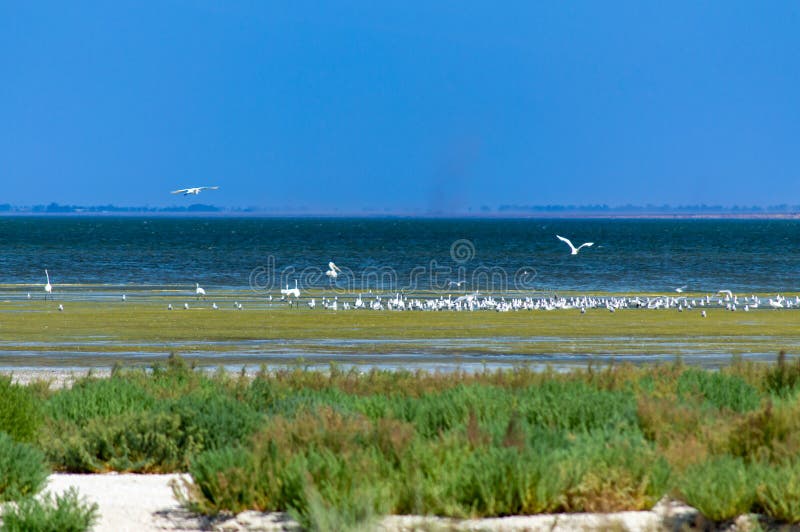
476	302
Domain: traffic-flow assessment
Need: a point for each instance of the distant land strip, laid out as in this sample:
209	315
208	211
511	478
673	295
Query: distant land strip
503	211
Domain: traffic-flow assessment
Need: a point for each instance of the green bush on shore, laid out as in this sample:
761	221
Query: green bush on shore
20	412
339	448
62	513
23	471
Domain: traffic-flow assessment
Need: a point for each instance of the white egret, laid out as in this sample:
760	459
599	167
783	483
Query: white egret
193	190
48	288
200	292
291	291
574	249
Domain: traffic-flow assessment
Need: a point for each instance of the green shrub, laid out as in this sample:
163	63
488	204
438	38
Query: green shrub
92	398
778	492
22	469
214	420
161	439
340	492
722	488
224	480
64	513
718	390
145	442
783	378
771	433
614	472
20	414
575	406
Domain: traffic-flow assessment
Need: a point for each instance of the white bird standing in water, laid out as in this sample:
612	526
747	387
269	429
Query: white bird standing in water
48	288
291	291
200	292
574	249
333	270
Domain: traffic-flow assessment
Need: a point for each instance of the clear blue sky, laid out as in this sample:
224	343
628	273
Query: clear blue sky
422	105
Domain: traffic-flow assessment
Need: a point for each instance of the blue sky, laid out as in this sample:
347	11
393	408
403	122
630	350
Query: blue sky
400	105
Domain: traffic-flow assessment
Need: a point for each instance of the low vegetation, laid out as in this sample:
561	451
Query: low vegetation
337	449
60	513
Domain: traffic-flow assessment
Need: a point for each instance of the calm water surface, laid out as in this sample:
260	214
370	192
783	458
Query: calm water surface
392	254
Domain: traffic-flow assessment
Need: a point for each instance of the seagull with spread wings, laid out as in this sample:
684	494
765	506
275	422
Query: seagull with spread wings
574	249
193	191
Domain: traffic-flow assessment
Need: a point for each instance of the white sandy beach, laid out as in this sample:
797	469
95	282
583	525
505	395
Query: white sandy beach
141	503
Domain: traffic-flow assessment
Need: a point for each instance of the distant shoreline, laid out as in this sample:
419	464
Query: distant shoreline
421	216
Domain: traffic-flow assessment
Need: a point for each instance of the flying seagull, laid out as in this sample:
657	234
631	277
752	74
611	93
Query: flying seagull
573	248
195	190
680	289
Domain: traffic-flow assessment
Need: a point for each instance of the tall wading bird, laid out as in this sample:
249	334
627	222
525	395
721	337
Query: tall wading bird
48	288
194	191
287	292
574	249
333	270
199	292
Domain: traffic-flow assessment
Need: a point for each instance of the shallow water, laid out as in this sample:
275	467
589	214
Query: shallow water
152	259
70	361
393	254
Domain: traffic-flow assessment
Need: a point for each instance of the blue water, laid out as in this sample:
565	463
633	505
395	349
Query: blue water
410	254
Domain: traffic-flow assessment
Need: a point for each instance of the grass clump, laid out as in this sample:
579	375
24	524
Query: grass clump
145	442
718	390
722	488
20	412
134	422
91	398
63	513
778	492
23	471
783	378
